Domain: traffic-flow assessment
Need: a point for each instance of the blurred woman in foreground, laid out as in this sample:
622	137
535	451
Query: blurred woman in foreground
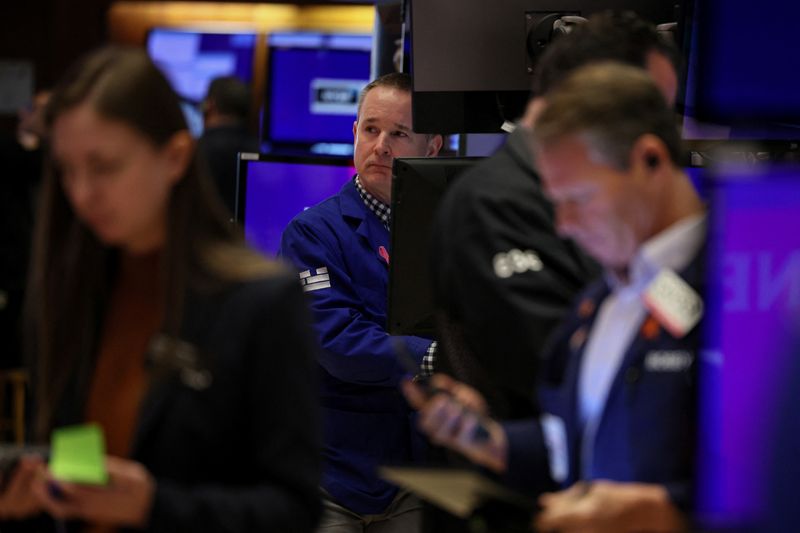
152	318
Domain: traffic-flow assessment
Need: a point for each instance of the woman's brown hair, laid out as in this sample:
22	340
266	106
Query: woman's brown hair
72	271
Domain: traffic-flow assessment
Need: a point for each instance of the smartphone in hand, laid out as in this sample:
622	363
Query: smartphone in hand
423	383
10	456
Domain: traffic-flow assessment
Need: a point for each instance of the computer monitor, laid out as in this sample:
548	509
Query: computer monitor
190	59
471	65
273	189
753	304
740	89
417	187
312	96
748	61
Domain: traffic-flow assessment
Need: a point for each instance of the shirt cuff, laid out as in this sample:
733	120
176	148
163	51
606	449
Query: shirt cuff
428	360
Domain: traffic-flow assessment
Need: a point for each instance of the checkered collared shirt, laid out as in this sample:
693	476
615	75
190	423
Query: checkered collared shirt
381	210
384	213
429	360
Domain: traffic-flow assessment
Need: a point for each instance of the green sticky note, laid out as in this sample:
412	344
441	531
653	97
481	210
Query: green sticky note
78	454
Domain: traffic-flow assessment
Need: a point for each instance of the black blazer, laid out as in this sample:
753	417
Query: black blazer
220	146
492	326
229	429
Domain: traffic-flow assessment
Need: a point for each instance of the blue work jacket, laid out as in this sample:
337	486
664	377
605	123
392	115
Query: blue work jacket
342	251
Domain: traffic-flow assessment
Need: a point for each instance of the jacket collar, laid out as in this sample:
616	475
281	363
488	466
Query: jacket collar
519	149
366	223
589	305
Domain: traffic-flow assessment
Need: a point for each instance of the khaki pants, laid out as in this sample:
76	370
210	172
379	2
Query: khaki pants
404	515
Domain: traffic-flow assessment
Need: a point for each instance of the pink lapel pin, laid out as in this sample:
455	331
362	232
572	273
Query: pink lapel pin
384	254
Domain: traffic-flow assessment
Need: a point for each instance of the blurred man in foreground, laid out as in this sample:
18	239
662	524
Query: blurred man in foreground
617	387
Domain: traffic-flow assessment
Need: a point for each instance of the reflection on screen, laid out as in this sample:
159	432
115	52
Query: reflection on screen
277	192
753	293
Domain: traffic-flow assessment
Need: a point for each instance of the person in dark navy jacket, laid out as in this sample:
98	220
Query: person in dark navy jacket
341	248
618	379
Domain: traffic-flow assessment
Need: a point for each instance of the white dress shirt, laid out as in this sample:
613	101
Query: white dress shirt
621	315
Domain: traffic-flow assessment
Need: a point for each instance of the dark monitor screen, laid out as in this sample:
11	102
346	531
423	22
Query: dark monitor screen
417	186
314	83
697	176
273	189
717	103
470	64
748	65
753	301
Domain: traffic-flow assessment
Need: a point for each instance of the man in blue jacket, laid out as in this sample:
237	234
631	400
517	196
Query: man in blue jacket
618	377
341	247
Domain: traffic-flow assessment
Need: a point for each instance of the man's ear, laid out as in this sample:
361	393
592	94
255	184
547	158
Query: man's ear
650	154
178	153
355	130
434	145
535	107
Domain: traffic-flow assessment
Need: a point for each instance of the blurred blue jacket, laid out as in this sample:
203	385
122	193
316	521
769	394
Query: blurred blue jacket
647	430
341	249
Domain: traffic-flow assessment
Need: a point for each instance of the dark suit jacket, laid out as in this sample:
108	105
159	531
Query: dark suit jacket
230	433
492	328
647	429
219	146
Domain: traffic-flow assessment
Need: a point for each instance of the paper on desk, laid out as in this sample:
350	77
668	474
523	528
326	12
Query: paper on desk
457	491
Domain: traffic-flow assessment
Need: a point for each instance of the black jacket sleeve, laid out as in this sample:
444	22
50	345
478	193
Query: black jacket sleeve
280	441
503	279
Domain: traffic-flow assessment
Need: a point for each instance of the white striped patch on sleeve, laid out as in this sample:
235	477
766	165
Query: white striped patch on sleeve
316	281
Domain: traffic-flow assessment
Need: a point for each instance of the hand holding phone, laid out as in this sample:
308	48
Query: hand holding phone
467	401
10	456
18	477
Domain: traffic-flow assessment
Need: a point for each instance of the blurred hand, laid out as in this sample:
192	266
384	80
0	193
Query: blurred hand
125	501
450	417
609	507
18	500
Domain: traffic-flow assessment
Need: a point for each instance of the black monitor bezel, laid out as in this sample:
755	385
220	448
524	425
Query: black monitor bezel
406	290
473	105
